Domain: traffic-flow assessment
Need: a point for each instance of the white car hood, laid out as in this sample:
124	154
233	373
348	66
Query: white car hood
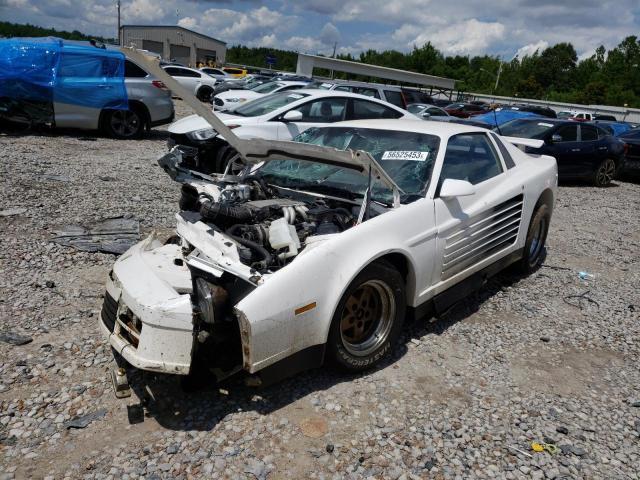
238	94
195	122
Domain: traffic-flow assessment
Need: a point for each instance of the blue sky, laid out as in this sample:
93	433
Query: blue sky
496	27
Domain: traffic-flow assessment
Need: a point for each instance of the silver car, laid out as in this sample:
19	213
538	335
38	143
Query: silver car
150	105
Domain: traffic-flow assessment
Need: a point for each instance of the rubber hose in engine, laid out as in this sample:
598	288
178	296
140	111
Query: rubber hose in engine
219	211
254	247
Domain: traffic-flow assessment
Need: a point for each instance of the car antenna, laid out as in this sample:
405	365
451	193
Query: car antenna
495	119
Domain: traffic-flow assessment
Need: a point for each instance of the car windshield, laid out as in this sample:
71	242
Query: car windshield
267	87
415	108
268	104
525	128
407	157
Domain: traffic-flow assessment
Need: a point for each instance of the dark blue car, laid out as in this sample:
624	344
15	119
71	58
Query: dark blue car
583	151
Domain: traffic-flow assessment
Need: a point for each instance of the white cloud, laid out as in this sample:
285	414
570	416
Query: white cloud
329	34
531	48
143	11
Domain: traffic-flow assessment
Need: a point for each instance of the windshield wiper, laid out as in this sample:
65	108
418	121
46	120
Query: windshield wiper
328	189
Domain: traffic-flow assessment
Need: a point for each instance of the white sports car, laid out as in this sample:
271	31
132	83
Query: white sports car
318	252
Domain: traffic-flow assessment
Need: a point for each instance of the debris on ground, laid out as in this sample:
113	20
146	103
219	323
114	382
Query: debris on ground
84	421
112	235
15	338
10	212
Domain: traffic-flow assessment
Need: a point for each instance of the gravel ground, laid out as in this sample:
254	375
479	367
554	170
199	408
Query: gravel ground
549	358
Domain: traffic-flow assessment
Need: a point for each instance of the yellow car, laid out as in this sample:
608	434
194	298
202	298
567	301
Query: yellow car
236	72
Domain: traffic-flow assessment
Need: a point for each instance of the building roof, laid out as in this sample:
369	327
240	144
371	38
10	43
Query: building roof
175	27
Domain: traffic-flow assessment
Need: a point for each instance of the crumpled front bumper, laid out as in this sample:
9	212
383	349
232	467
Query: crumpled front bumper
147	313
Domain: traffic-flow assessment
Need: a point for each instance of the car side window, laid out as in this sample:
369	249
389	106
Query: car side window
291	87
588	133
182	72
568	133
343	88
506	156
325	110
364	110
369	92
131	70
394	98
435	111
470	157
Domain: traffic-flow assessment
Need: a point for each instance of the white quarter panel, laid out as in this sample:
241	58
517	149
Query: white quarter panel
322	274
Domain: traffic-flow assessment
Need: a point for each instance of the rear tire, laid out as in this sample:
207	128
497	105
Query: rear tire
535	250
205	94
368	319
125	124
605	173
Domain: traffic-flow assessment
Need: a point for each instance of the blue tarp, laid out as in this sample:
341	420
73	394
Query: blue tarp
51	70
500	117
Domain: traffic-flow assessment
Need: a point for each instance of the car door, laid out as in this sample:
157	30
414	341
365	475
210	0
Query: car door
315	113
85	84
475	230
563	144
593	149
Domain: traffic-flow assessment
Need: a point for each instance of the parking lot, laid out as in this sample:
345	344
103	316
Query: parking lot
550	358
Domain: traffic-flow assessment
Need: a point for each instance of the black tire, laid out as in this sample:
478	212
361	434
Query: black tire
357	340
226	154
535	250
125	124
605	173
205	94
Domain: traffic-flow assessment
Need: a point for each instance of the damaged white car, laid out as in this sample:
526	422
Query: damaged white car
319	250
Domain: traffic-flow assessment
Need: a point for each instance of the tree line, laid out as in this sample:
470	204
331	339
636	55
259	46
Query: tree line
608	77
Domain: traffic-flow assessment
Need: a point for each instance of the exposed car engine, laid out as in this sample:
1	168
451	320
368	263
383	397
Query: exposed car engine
270	227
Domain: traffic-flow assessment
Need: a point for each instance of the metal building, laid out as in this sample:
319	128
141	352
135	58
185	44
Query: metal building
175	44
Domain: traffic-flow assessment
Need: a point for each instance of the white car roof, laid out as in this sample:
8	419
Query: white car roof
441	129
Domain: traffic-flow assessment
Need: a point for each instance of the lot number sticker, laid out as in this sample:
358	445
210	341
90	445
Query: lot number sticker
405	155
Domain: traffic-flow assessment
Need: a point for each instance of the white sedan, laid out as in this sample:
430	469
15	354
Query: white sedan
196	82
319	250
234	98
280	116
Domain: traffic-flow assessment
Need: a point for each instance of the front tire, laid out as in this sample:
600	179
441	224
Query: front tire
535	249
226	155
605	173
368	320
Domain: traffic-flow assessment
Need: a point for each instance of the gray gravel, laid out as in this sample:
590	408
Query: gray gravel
549	358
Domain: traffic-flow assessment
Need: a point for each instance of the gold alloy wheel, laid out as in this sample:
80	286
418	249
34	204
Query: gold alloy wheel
367	318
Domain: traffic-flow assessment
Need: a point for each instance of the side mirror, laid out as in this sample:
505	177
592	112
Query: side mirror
292	116
456	188
426	116
556	138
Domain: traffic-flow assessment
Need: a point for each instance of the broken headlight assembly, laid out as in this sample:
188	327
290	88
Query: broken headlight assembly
210	300
202	134
204	301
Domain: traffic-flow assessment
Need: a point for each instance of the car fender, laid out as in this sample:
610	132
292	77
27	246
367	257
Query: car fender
293	308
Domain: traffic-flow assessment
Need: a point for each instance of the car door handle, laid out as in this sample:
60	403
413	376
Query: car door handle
575	149
105	86
602	148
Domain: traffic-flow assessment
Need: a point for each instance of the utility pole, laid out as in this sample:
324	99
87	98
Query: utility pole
498	77
119	36
335	44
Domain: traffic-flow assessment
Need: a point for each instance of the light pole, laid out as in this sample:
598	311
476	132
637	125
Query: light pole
119	36
496	75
